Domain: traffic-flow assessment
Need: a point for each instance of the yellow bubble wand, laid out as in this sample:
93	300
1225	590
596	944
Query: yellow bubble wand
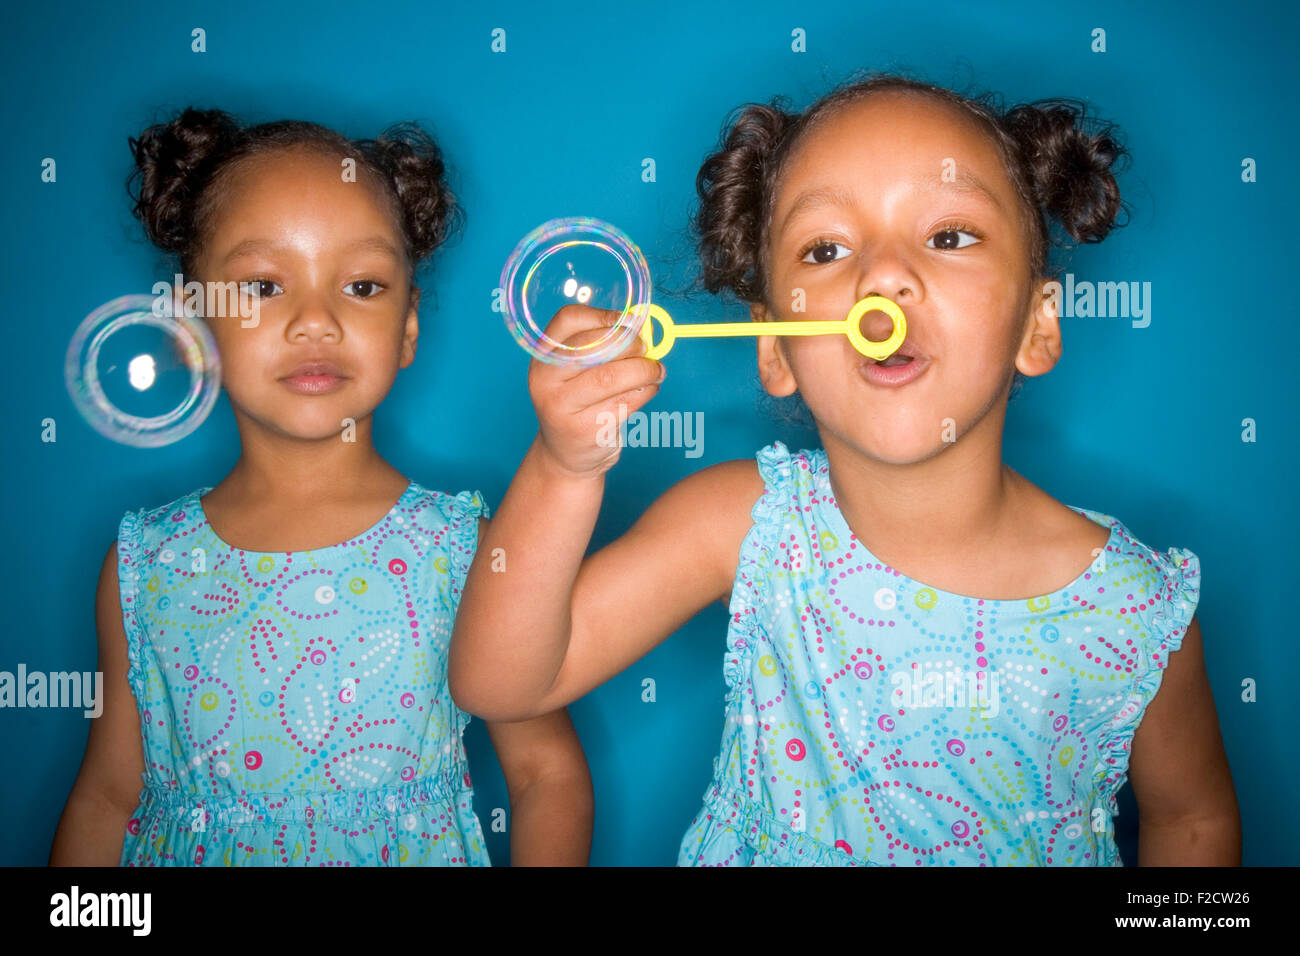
850	326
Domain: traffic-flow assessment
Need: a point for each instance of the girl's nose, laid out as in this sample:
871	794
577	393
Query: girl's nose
314	321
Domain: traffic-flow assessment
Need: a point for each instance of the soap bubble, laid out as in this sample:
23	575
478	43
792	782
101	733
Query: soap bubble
577	261
139	377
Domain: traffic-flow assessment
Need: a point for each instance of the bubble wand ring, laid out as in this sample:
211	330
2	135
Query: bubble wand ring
195	348
849	326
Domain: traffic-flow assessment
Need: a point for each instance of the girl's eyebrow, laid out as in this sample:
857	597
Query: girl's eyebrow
369	244
815	199
965	181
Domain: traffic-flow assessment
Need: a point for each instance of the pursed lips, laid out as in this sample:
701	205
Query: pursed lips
315	368
314	377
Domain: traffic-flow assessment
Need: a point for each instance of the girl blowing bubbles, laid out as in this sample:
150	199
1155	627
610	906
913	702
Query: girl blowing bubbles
285	634
929	661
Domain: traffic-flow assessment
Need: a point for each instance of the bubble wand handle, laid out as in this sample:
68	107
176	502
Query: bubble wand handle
850	326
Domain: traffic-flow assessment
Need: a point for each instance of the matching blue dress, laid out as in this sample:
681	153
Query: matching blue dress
294	706
873	720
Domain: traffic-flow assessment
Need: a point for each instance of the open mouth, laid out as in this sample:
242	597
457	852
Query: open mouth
897	370
894	360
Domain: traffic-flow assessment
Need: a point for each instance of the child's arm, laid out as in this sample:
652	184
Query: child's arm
551	801
93	826
1187	808
550	626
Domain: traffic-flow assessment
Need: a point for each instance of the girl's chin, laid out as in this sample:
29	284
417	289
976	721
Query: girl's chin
319	433
897	455
303	427
902	446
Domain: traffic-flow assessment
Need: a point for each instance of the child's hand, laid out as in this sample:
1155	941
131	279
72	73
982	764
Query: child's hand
579	411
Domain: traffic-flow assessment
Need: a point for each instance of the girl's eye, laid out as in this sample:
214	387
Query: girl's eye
365	288
256	287
822	251
951	239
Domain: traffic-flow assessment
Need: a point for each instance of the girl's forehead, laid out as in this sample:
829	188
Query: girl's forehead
284	164
305	183
299	200
890	135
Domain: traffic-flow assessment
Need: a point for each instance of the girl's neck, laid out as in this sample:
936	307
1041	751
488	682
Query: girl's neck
286	495
276	468
961	496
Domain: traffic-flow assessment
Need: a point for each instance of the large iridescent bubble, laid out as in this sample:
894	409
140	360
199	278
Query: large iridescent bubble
577	261
139	374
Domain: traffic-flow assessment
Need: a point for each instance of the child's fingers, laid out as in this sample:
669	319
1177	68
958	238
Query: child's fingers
573	320
596	386
577	326
589	336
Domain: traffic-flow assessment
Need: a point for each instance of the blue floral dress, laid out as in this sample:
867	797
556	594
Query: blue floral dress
872	720
294	706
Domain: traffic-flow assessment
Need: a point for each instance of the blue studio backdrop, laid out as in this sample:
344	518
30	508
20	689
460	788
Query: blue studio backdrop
1178	427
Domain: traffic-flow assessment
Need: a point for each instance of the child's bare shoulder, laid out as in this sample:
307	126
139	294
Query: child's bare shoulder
721	494
1063	542
711	509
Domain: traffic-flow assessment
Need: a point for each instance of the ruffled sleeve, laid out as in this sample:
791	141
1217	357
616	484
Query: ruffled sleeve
748	605
462	512
1165	611
130	554
778	473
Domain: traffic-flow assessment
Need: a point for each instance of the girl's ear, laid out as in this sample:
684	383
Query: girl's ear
773	366
411	332
1040	346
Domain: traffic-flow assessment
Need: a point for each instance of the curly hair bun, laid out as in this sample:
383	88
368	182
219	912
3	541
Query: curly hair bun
174	161
1070	170
730	185
414	164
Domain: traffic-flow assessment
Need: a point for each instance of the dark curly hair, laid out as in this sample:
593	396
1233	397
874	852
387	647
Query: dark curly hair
182	166
1060	167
